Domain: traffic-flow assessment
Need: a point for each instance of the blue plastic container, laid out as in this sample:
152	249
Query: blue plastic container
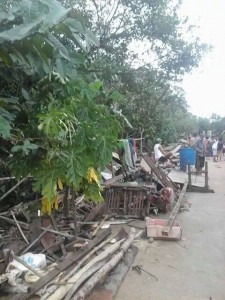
187	157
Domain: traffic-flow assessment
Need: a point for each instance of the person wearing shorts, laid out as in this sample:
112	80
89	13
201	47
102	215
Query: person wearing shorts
161	155
220	149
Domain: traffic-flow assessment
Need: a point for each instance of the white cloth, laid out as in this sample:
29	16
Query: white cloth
157	152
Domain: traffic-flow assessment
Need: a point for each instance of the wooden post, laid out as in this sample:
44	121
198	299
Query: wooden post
206	176
175	211
141	142
112	168
189	177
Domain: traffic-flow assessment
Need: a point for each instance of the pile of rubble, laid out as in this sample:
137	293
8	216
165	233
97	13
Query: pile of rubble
60	257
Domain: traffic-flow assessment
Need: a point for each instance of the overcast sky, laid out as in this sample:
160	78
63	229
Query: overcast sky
205	87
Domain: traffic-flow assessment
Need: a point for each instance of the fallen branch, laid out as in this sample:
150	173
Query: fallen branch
91	283
35	241
13	188
58	232
10	221
18	226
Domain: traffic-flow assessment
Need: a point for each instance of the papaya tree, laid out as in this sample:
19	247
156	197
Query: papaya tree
53	120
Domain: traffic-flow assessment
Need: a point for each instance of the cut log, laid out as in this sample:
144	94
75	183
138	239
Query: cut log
63	290
53	284
98	265
97	277
62	266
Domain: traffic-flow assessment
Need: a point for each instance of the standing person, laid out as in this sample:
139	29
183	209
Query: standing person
209	148
223	149
192	139
220	149
200	151
160	154
214	150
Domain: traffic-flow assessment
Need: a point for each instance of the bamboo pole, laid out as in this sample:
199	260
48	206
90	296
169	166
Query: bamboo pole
74	270
98	265
63	290
96	278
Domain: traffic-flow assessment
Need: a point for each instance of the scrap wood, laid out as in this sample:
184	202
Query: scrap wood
117	275
13	188
62	266
94	233
98	265
163	178
34	242
10	221
66	235
70	274
120	235
62	246
95	211
63	290
18	226
96	278
112	180
175	211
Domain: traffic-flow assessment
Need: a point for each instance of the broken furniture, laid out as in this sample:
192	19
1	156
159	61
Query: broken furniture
166	229
128	199
149	165
196	182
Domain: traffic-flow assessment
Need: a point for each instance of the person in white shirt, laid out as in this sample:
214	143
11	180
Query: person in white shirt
160	154
214	150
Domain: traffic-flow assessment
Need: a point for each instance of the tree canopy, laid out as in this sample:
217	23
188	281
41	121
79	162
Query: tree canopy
77	75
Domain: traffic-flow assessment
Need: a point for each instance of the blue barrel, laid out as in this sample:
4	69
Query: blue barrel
187	157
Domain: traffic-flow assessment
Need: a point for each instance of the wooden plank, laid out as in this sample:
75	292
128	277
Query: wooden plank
112	180
62	266
163	178
174	213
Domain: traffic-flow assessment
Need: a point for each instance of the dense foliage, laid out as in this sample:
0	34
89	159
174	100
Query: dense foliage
145	48
71	70
51	117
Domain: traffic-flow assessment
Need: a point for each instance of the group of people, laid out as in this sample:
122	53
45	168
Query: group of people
204	146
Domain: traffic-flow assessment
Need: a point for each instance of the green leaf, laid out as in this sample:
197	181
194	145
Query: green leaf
56	43
25	94
59	67
4	128
95	86
79	41
75	26
21	31
92	38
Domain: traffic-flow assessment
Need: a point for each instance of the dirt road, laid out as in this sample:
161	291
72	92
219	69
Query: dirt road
193	268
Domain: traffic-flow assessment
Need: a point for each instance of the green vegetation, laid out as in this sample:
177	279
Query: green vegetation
73	79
